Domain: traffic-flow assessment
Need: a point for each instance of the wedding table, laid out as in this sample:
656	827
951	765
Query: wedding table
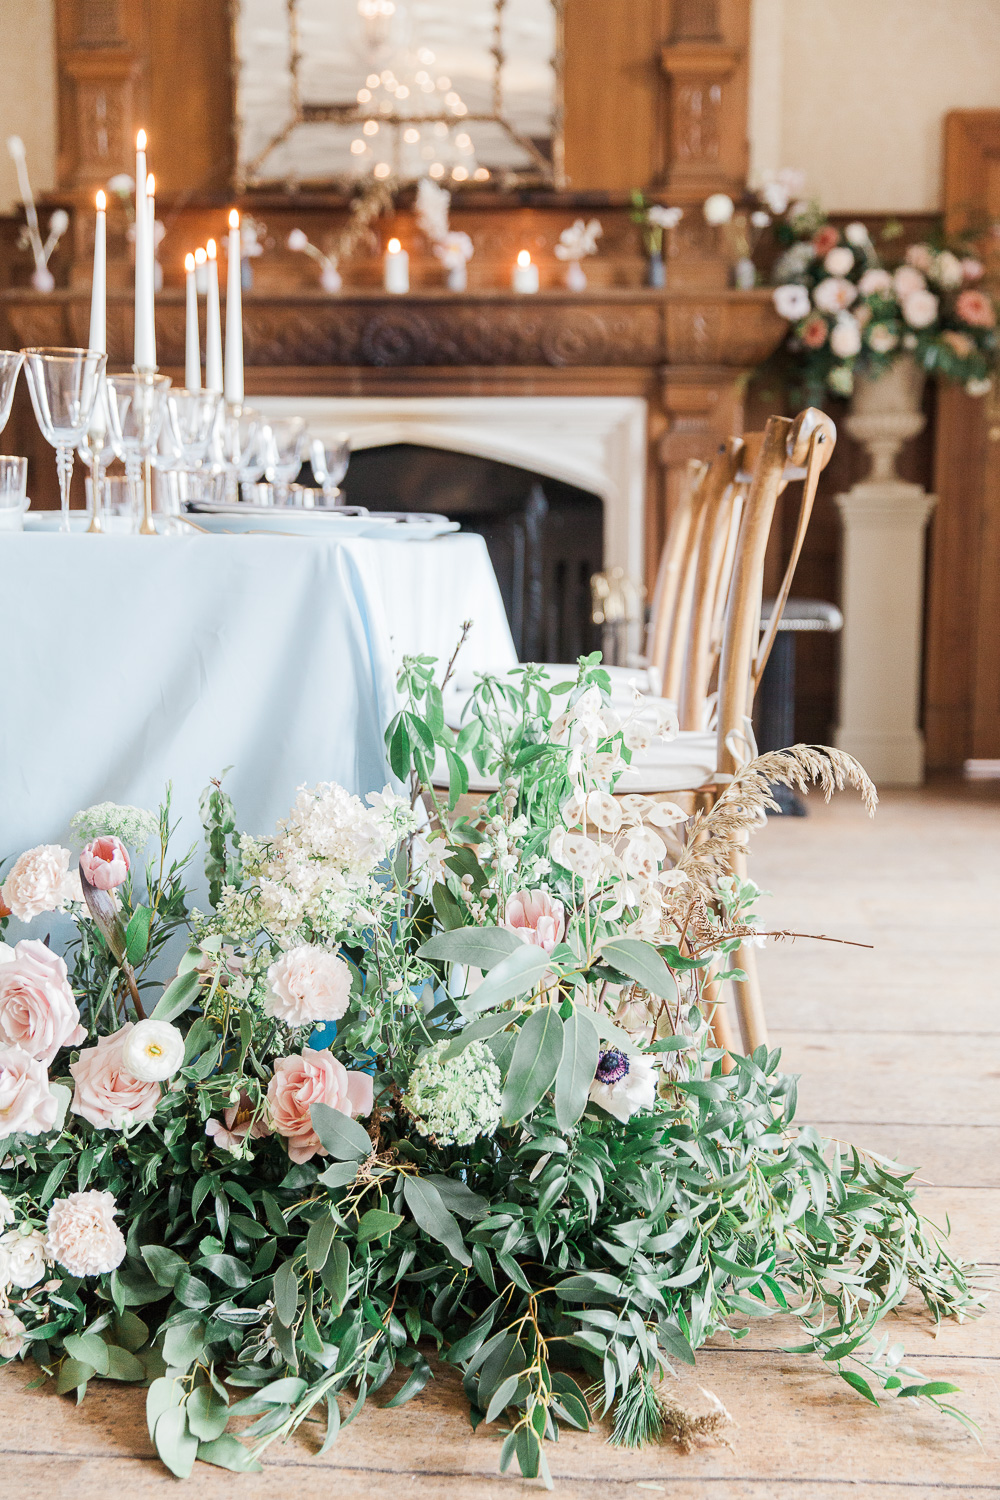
133	661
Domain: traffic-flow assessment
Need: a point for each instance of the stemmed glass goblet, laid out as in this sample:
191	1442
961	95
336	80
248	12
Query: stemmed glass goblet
64	384
236	447
191	417
137	404
281	445
329	463
97	449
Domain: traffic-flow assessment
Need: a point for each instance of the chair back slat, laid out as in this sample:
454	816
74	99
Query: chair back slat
713	567
671	572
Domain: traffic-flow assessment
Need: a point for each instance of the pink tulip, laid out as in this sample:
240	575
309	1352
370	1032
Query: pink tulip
105	863
537	918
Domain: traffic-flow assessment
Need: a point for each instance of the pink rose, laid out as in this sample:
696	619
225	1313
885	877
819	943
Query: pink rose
40	881
824	239
307	984
105	1094
105	863
37	1010
314	1077
537	918
239	1124
26	1101
976	309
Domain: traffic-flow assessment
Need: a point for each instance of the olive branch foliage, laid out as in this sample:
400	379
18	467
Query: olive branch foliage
564	1266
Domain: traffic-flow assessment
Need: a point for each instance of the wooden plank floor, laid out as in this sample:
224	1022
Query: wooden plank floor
899	1050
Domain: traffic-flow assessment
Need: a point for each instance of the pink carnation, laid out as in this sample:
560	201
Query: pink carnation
26	1101
105	863
83	1236
239	1123
314	1077
105	1094
307	984
40	880
37	1010
537	918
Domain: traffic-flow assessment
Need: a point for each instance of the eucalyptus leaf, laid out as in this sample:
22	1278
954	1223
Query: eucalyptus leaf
577	1067
533	1066
343	1137
476	947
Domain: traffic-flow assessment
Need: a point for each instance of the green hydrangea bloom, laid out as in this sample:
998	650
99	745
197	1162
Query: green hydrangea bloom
455	1101
133	825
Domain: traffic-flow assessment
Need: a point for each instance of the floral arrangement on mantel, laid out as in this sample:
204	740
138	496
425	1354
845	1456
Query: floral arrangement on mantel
427	1086
851	315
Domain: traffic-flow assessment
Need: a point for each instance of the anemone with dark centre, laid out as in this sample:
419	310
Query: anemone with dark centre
612	1066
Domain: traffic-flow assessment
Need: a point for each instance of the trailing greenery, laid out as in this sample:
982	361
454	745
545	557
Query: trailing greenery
614	1191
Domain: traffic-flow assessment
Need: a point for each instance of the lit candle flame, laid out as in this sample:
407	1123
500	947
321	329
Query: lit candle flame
140	141
234	219
200	257
211	250
150	186
394	247
524	258
102	203
189	262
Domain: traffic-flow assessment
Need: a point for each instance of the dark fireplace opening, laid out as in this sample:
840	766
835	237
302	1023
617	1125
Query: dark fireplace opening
545	538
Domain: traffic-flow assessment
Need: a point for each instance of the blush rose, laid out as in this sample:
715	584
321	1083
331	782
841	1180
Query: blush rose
37	1010
105	1093
26	1101
308	1078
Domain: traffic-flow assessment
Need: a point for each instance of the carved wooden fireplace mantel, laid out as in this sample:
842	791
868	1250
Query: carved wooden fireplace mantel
684	353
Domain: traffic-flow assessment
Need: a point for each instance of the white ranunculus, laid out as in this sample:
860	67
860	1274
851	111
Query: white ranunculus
623	1085
845	337
153	1051
718	209
834	294
856	234
839	260
920	308
25	1257
791	301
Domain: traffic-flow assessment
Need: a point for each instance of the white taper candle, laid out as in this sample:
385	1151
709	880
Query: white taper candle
233	387
213	324
98	338
192	337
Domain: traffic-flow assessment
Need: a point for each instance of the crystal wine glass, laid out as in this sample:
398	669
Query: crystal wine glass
329	464
137	405
10	365
96	448
191	417
63	384
236	447
281	445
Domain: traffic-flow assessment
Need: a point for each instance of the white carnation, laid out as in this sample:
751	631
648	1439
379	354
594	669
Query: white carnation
83	1236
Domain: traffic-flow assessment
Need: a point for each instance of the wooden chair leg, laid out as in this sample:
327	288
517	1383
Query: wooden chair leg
749	1002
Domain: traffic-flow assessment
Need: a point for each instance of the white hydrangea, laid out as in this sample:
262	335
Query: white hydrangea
455	1101
133	825
320	866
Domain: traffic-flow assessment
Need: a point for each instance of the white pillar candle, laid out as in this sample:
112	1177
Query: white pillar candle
201	272
213	324
145	333
525	277
98	338
192	338
396	268
233	386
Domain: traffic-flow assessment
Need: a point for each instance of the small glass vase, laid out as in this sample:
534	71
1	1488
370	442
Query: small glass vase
656	271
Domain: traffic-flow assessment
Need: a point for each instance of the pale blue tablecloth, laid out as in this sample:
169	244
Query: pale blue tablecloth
131	661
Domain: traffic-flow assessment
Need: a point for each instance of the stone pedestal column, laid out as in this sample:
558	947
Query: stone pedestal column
884	520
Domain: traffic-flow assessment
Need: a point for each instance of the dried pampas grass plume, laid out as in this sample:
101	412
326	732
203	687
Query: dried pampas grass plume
713	836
